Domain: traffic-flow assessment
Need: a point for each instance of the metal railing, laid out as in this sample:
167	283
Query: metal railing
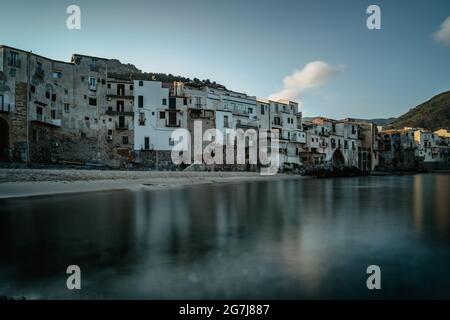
121	126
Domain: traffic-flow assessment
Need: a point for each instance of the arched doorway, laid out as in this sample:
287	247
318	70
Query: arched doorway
4	140
338	158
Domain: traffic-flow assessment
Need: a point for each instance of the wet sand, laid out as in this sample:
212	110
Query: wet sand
16	183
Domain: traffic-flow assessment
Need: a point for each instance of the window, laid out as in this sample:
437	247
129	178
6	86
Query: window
120	89
103	81
185	101
140	101
92	101
56	75
162	115
47	95
54	97
32	89
14	59
109	85
198	102
262	109
250	110
164	102
124	139
131	87
141	118
141	83
345	144
172	118
92	82
1	102
277	121
172	103
66	107
39	113
225	122
171	142
12	72
53	114
94	65
35	135
146	143
120	106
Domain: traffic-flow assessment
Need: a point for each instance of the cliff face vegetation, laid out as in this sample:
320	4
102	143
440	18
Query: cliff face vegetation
433	114
129	71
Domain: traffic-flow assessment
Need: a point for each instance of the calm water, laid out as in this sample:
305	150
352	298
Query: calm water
280	240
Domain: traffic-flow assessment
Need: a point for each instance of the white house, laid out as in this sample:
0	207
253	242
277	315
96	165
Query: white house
154	119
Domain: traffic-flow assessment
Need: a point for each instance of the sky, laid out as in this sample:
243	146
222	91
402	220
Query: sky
318	52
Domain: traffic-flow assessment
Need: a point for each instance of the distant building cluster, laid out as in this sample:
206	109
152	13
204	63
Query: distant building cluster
414	148
91	111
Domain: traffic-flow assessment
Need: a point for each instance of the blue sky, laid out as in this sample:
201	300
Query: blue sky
251	45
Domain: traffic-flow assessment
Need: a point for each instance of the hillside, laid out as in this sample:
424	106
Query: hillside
433	114
129	71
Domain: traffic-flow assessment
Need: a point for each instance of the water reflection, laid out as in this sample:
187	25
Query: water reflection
280	239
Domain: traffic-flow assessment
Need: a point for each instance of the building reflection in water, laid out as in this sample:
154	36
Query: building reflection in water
280	239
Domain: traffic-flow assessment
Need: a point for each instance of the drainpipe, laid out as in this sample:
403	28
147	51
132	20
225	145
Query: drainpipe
27	107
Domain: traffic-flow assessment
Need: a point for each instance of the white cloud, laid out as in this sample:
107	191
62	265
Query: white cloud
312	75
443	34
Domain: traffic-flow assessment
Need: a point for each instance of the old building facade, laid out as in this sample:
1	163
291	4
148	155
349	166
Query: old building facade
89	111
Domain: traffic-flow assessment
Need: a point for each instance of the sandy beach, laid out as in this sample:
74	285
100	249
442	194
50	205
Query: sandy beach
15	183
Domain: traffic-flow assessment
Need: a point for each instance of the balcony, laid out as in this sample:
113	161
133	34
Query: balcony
171	124
278	124
15	63
4	108
119	113
119	96
39	118
149	147
241	112
121	126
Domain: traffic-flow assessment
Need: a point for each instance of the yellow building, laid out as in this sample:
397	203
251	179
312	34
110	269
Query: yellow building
443	133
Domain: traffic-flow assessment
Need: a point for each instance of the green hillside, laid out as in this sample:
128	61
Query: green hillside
433	114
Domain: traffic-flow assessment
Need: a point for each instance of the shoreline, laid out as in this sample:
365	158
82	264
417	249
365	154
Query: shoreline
23	183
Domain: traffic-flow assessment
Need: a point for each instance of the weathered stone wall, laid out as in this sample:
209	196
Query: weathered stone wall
157	160
18	125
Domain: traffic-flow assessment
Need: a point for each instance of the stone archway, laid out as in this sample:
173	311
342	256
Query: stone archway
338	158
4	140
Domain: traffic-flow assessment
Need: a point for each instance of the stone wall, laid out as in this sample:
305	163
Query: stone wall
18	125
